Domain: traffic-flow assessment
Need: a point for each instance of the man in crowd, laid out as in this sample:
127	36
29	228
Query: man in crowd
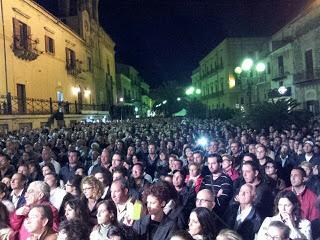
73	164
219	183
17	196
6	169
46	156
56	193
306	197
38	192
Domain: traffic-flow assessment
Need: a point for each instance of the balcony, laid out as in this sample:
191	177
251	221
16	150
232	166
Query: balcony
74	68
279	76
273	93
213	95
306	76
25	48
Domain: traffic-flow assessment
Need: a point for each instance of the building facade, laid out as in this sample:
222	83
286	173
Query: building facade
132	90
215	77
66	57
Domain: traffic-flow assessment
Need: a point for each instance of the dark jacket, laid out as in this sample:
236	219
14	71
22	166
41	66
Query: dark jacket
163	232
22	200
248	227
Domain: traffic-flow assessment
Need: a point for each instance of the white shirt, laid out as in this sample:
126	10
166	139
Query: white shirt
56	197
15	198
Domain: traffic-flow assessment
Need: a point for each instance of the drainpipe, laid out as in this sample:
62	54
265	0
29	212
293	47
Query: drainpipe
4	48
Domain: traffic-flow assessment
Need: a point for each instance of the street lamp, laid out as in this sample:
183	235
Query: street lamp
282	90
164	102
178	99
121	103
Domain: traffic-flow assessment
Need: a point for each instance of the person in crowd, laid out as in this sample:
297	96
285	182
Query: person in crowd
243	217
312	180
288	211
4	193
236	153
181	235
57	194
92	190
198	158
74	209
120	196
272	176
6	233
285	161
194	179
278	230
105	178
228	167
70	168
38	192
73	230
35	173
47	157
309	154
116	162
155	225
6	169
220	184
40	222
106	218
201	224
104	163
261	153
46	169
227	234
306	197
18	186
152	160
138	180
251	174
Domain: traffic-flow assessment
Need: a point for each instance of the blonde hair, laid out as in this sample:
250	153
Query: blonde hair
95	183
227	234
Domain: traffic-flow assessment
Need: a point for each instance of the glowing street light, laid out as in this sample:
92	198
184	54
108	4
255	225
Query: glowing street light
238	70
282	90
247	64
164	102
121	99
190	90
260	67
178	99
198	91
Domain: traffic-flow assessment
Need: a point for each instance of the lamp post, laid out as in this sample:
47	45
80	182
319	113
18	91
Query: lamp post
121	103
248	67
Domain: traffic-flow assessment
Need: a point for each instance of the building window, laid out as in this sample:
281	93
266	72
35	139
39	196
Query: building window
21	35
268	68
280	66
89	64
49	45
309	64
70	59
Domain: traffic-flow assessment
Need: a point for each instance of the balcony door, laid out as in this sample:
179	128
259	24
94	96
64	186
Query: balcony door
21	94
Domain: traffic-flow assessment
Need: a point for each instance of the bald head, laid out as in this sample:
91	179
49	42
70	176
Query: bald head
205	198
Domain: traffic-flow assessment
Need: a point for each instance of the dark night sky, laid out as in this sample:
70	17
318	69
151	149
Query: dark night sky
165	39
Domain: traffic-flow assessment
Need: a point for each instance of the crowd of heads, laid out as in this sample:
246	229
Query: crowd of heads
154	179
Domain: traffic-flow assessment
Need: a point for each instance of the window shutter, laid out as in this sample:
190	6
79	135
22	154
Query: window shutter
53	46
16	33
46	39
29	43
67	57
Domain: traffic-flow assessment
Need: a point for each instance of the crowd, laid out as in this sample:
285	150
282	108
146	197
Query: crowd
160	179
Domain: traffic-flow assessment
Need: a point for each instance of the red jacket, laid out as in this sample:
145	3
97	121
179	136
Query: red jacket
196	184
17	221
307	200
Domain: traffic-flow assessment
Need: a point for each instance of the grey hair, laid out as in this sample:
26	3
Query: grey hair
42	187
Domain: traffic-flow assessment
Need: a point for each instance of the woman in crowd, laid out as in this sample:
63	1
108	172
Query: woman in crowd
288	211
271	170
76	210
106	218
155	225
39	223
6	232
181	235
73	230
105	178
228	167
34	171
47	168
4	193
92	190
227	234
194	178
201	224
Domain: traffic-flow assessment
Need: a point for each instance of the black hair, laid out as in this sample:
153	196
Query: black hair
206	221
75	230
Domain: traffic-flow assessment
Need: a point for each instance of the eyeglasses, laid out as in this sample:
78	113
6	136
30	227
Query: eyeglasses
203	200
269	237
86	189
